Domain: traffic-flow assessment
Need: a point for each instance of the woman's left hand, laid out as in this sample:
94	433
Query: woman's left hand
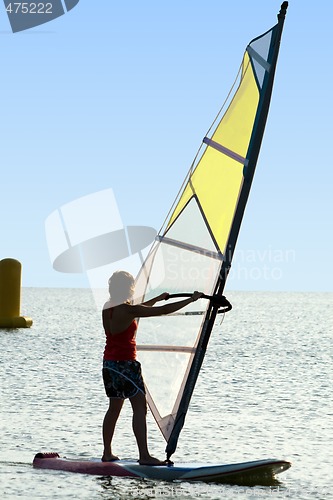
163	296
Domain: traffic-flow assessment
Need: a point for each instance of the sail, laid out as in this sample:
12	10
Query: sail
194	249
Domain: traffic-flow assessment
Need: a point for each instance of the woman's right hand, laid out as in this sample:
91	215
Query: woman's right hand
196	296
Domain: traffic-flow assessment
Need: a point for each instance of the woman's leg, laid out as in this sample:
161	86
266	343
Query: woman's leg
139	406
109	424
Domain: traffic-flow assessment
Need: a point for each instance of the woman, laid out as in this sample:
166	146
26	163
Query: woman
121	371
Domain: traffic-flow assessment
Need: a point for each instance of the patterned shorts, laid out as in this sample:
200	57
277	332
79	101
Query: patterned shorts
122	379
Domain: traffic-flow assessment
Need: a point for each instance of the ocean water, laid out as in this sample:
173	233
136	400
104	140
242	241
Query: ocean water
265	391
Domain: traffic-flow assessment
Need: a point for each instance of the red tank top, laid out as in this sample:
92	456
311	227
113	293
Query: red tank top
121	346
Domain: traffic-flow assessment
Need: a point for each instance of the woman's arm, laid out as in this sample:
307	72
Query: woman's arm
146	311
151	302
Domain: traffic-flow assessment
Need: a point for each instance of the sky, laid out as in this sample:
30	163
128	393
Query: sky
118	96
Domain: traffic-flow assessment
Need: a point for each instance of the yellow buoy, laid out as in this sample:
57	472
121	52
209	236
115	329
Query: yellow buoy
10	295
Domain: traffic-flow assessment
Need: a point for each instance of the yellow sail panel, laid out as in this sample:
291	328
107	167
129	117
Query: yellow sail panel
217	178
235	129
210	194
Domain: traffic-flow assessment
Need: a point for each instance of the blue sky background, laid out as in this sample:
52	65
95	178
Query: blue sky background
120	94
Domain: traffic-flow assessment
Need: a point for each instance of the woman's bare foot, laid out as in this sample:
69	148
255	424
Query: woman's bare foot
151	461
109	458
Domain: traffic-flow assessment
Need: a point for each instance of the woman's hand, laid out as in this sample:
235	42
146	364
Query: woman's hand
163	296
158	298
196	296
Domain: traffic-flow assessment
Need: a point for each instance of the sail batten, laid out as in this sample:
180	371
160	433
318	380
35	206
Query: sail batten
165	348
194	249
188	246
254	54
226	151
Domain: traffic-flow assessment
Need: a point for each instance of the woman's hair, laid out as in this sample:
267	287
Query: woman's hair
121	287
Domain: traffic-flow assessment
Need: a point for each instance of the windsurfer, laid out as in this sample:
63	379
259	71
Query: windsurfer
121	371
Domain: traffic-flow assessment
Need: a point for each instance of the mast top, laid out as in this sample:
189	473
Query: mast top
283	10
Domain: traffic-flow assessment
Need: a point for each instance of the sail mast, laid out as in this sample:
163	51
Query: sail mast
248	173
